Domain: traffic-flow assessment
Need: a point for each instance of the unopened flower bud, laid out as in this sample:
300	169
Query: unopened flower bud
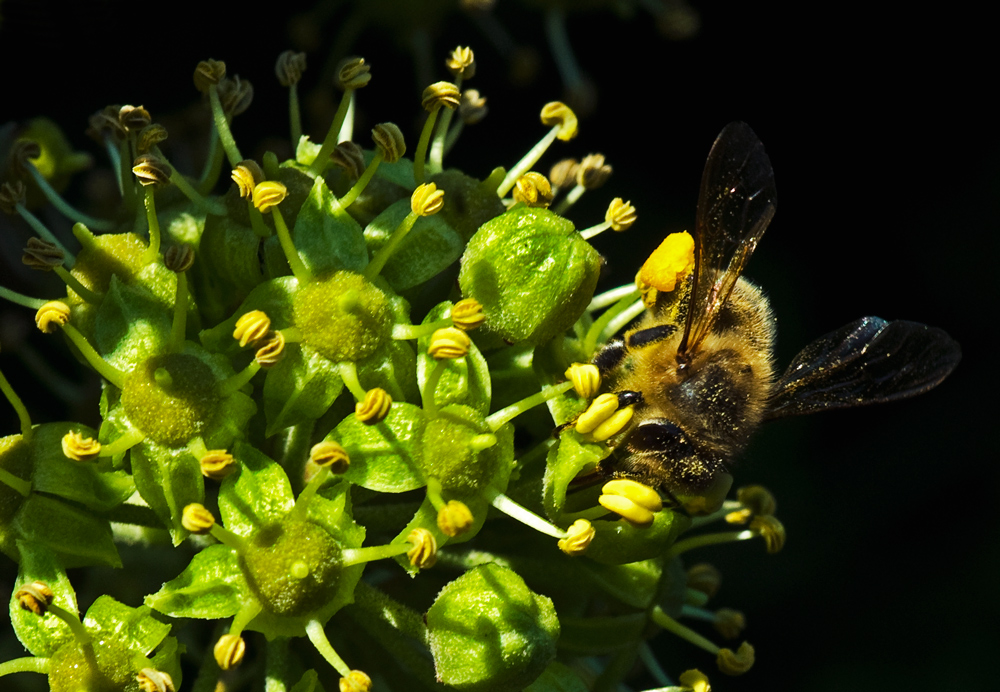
375	407
247	175
207	73
472	107
153	680
621	215
79	448
448	343
454	518
229	651
736	663
352	73
41	254
593	172
331	455
586	379
36	597
151	170
533	190
580	534
350	157
423	554
289	67
51	316
558	113
356	681
196	519
462	61
268	194
251	327
467	314
441	94
426	200
179	258
389	140
217	464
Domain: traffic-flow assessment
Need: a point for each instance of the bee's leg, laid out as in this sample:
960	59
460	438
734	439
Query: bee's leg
608	358
650	335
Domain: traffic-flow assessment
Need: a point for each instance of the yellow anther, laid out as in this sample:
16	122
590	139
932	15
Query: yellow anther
426	200
736	663
374	408
621	215
705	578
440	94
268	194
153	680
356	681
350	157
150	136
353	73
462	61
289	67
593	172
217	464
51	316
207	73
533	190
614	424
331	455
472	108
423	554
229	651
563	174
36	597
134	118
252	327
179	258
695	680
729	623
757	499
389	140
558	113
448	343
586	379
12	194
151	170
771	530
79	448
669	263
580	534
454	519
628	510
639	493
41	254
247	175
272	350
196	519
600	410
467	314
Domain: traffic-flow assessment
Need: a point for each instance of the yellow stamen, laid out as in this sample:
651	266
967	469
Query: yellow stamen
578	538
586	379
454	518
423	554
669	263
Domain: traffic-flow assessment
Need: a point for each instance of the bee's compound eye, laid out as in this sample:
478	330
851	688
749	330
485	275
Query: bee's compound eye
663	436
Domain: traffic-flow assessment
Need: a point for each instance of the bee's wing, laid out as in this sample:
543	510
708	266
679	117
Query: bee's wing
736	203
865	362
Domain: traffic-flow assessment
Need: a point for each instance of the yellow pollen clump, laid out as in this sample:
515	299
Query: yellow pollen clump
669	263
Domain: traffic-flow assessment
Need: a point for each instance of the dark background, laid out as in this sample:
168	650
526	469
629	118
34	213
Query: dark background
886	162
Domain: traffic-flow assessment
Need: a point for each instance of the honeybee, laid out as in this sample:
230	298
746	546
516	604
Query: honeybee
699	366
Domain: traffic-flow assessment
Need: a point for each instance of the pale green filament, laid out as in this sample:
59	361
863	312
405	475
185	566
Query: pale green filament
709	539
21	299
425	138
153	251
22	412
570	199
498	419
314	630
193	195
523	514
299	269
179	325
294	114
247	612
222	127
260	228
228	539
356	556
105	369
602	300
40	228
349	374
127	441
385	252
63	206
18	485
27	664
658	616
233	384
79	288
529	160
359	187
415	331
589	233
332	138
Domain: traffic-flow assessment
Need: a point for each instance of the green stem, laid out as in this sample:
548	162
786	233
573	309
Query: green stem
356	556
72	621
27	664
194	196
79	288
332	138
301	506
708	539
415	331
385	252
179	326
105	369
135	515
425	138
38	227
658	616
126	180
21	299
498	419
359	187
294	116
696	613
434	493
349	374
438	144
64	207
619	321
228	538
427	397
453	135
247	612
213	165
602	300
230	386
153	251
384	608
222	127
22	412
600	324
260	228
522	514
314	630
291	254
123	443
648	658
18	485
570	199
527	161
589	233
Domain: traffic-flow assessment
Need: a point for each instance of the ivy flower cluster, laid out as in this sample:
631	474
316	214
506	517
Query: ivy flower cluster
353	389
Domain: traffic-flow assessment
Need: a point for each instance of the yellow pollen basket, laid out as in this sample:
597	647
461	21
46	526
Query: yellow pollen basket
669	263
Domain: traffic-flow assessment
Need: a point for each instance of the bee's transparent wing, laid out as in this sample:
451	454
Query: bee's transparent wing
865	362
735	205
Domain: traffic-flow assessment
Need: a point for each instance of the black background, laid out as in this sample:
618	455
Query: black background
886	161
